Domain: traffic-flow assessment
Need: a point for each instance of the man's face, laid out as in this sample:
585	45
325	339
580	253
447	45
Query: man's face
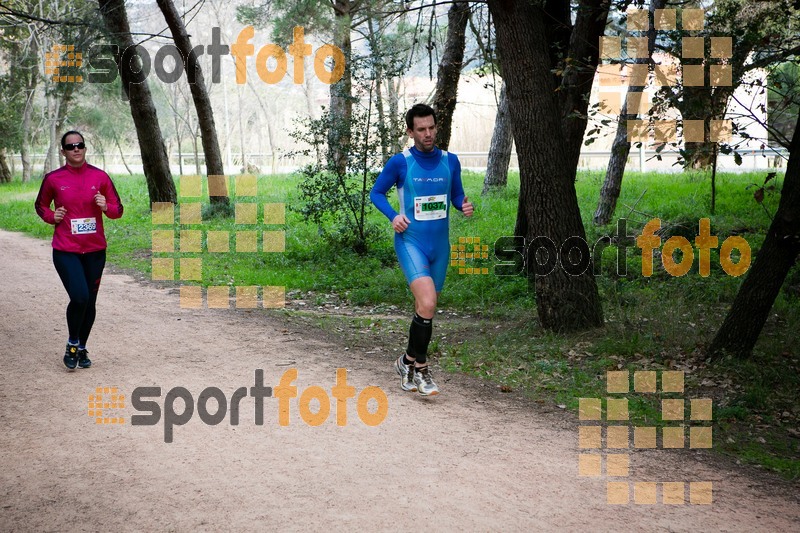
75	156
424	133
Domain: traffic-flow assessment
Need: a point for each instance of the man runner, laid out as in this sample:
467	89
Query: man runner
428	180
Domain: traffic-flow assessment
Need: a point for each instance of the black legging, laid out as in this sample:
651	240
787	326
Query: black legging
80	274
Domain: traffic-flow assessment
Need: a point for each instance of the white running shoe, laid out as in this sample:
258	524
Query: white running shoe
424	382
406	375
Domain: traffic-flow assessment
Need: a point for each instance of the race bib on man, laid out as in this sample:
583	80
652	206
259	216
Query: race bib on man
430	207
83	226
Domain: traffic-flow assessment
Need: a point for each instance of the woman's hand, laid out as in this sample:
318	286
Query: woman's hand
100	200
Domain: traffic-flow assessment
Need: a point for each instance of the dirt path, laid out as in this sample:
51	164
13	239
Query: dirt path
490	462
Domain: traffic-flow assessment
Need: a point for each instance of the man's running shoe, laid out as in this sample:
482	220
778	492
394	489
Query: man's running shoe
406	375
83	359
424	382
71	357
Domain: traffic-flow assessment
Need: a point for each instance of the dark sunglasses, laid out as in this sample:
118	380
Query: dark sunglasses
79	146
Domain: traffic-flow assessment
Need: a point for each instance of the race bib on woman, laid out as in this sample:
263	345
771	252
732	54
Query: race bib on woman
83	226
430	207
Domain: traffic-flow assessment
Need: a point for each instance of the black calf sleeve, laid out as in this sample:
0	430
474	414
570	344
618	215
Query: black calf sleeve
419	336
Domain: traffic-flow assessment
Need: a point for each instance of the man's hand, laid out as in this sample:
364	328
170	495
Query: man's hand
100	200
467	207
400	223
59	214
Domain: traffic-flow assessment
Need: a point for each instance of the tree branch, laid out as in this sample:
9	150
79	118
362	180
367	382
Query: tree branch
5	10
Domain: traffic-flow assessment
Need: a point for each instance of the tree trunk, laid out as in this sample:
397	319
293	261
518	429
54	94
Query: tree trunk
565	301
270	133
160	186
377	61
32	79
395	123
241	130
445	95
500	147
612	184
25	147
5	172
178	128
121	155
341	107
710	103
51	161
740	330
218	193
621	148
197	168
576	84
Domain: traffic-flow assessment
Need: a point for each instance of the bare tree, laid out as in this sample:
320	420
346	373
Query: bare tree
500	148
445	95
160	186
621	147
202	104
748	314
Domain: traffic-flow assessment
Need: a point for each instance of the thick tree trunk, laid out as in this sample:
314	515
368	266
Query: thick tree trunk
566	41
565	301
341	107
621	148
500	147
160	186
202	103
741	328
446	93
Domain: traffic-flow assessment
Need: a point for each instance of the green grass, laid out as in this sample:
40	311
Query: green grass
656	323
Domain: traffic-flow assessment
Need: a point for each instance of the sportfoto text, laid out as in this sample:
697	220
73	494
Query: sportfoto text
284	391
540	256
103	66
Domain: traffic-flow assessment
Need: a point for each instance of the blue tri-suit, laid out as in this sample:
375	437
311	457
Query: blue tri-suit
427	182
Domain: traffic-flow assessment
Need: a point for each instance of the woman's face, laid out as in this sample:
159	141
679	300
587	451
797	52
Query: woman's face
75	156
